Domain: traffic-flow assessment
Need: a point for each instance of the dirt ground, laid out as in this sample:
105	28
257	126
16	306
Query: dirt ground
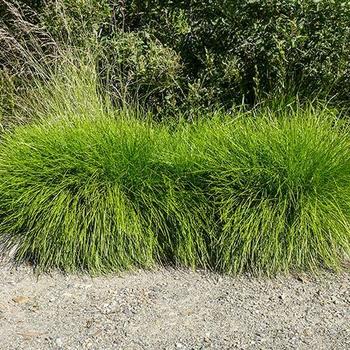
172	309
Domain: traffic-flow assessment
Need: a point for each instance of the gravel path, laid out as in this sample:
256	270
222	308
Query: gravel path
172	309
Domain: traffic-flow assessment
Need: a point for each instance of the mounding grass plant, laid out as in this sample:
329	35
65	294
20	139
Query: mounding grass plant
280	185
86	186
97	194
261	192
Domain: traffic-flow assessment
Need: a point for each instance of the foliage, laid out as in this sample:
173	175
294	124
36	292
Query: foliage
78	22
234	50
263	193
212	53
280	185
95	194
137	69
93	183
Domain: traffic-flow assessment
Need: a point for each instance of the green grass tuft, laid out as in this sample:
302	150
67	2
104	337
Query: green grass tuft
260	192
96	194
281	189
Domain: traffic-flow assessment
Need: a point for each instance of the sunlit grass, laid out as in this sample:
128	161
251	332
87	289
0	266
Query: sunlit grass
88	186
281	188
96	194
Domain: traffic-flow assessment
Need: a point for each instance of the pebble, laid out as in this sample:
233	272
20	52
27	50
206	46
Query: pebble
59	342
20	299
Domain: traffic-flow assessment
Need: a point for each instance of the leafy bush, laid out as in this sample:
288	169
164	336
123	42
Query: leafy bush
138	69
208	54
78	22
247	49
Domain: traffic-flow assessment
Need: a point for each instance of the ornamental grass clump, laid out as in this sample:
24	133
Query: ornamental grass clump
96	194
262	192
281	190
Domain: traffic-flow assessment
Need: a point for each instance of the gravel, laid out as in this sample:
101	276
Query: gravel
172	309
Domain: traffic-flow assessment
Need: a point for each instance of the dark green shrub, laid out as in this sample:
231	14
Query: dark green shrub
228	51
137	68
78	22
247	49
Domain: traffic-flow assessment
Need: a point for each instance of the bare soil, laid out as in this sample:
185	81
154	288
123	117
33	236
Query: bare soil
172	309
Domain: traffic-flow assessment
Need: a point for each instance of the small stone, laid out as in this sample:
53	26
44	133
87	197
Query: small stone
307	332
20	299
89	323
179	346
30	334
302	279
59	342
335	300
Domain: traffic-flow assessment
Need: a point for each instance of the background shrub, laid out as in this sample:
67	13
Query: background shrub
247	49
138	69
216	53
78	22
